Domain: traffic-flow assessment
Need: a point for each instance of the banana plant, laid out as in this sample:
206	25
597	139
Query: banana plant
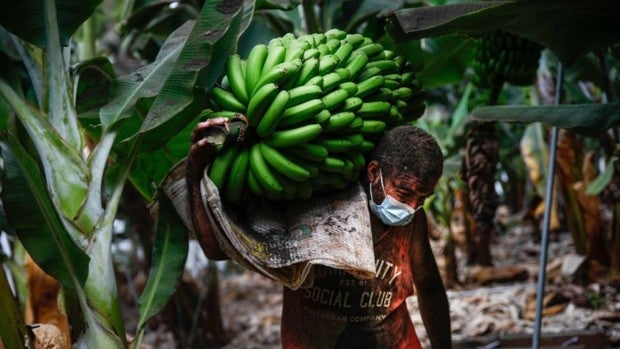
67	152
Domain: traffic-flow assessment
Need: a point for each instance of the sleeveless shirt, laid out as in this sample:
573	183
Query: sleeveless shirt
341	311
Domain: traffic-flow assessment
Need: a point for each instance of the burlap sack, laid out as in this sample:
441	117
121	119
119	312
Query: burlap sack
284	240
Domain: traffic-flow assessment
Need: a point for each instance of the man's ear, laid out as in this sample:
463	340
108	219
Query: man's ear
373	171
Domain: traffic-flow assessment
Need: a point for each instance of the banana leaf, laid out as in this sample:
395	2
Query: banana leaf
12	327
588	24
66	174
71	14
42	233
586	119
169	254
211	41
144	82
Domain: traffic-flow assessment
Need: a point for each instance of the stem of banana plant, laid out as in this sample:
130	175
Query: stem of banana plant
312	22
544	244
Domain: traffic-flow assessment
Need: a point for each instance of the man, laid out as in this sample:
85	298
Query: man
340	311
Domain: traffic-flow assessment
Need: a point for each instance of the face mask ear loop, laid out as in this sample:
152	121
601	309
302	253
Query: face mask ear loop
381	177
382	187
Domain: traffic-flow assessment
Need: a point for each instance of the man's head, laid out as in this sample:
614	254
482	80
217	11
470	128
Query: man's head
410	162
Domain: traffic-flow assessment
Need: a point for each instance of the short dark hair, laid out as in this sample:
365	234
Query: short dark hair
410	151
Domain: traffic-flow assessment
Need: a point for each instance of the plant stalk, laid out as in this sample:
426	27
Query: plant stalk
312	22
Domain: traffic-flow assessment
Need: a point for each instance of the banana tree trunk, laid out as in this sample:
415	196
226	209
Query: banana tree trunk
481	156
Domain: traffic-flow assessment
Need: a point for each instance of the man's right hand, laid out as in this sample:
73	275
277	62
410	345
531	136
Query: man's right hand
202	152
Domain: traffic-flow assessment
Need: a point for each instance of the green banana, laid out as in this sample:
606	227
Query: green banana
355	124
252	183
263	174
335	145
221	164
278	74
226	100
355	39
335	34
344	52
333	164
372	127
387	66
350	86
303	93
374	109
371	50
319	38
327	63
322	117
333	99
356	63
403	92
331	81
282	164
295	51
236	78
356	139
366	146
323	49
369	86
275	56
311	53
259	102
301	112
309	69
273	114
317	80
294	136
309	151
368	73
332	45
237	175
254	66
339	121
352	104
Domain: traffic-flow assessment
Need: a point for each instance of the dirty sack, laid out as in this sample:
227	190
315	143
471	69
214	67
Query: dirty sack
285	240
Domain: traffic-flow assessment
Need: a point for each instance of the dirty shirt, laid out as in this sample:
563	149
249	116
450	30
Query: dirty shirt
341	311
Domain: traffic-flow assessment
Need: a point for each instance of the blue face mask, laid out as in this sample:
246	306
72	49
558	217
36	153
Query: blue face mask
391	211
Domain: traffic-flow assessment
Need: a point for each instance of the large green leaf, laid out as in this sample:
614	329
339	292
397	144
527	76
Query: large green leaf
151	167
146	81
445	60
66	174
12	327
31	213
26	18
169	254
60	107
570	28
210	43
587	119
92	80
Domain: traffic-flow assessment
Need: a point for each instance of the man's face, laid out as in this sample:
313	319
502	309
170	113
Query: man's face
406	190
402	187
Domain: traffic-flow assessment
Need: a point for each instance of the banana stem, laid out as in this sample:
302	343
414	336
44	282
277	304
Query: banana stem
312	22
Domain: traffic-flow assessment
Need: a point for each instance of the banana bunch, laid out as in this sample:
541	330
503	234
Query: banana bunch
316	105
502	56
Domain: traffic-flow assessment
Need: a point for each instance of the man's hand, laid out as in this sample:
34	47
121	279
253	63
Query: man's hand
202	152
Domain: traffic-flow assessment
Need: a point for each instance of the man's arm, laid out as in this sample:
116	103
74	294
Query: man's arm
202	153
432	298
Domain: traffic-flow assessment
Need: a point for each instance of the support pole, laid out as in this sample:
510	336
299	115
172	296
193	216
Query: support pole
544	244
